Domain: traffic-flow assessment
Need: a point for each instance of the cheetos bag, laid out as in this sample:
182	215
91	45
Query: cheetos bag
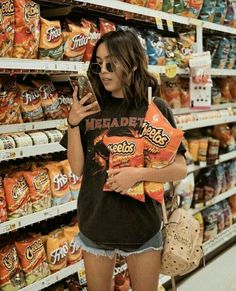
161	142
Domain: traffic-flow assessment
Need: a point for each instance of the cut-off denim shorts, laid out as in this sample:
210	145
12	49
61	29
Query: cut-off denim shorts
154	243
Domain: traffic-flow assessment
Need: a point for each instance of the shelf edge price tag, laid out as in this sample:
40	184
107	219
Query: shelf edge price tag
170	25
171	70
159	23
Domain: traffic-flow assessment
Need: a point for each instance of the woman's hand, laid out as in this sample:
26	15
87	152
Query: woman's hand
120	180
78	110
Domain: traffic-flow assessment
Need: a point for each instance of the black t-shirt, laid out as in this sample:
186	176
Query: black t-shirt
109	219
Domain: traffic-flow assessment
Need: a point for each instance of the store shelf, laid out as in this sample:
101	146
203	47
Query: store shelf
178	111
20	127
30	151
219	240
162	70
54	278
206	122
221	159
215	200
223	72
23	221
40	66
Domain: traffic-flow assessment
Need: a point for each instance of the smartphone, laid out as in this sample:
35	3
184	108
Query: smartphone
84	87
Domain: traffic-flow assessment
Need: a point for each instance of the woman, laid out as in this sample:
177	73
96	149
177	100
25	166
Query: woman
112	223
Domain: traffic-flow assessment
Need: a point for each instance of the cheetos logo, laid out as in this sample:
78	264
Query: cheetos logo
125	148
154	135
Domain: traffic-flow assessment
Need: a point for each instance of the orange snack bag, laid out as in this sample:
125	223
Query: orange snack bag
27	29
155	4
17	196
11	275
3	209
33	259
126	152
39	188
51	41
7	28
59	184
74	181
75	252
106	26
161	142
57	250
137	2
75	42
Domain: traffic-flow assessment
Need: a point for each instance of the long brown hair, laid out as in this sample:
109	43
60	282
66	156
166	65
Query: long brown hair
125	47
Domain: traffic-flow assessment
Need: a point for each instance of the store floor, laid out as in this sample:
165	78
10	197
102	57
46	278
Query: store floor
218	275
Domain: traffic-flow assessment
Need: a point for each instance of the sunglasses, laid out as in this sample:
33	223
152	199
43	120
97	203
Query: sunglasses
96	68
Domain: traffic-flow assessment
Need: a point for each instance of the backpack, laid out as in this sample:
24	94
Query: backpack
182	251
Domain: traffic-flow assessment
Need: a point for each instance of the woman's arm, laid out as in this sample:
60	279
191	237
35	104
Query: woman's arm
124	178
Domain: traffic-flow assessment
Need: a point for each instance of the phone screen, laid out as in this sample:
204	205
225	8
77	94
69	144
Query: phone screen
84	87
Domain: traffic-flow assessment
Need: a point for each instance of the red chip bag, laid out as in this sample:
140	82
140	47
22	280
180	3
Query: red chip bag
154	4
11	274
161	142
33	259
3	209
106	26
7	27
27	30
126	152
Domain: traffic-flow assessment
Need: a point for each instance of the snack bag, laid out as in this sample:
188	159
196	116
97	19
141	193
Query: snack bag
74	181
75	252
17	196
105	26
64	97
154	4
59	184
11	274
75	42
3	208
161	142
155	48
121	275
39	188
33	259
57	249
137	2
51	41
171	92
27	29
49	99
126	151
7	28
168	6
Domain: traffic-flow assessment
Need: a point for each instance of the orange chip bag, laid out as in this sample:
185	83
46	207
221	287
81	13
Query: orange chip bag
57	250
11	275
39	189
75	42
17	196
155	4
30	102
126	152
3	208
105	26
59	184
49	99
7	27
51	41
75	252
64	97
33	259
74	181
161	142
27	30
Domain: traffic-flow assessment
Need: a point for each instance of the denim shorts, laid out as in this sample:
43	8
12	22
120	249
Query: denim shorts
154	243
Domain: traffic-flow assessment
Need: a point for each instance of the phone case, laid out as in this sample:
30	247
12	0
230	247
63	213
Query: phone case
84	87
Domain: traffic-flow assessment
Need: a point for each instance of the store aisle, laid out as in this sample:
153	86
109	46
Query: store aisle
218	275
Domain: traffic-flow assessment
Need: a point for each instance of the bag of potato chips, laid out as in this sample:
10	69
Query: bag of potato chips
3	209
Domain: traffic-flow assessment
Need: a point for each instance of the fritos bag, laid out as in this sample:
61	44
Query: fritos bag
75	42
11	274
59	184
74	181
57	249
39	189
126	151
27	30
3	208
51	41
161	142
33	259
7	28
75	252
17	196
